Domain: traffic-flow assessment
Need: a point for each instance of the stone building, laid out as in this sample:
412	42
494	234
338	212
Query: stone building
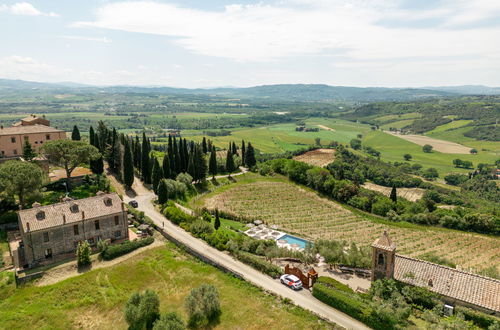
34	129
455	286
50	233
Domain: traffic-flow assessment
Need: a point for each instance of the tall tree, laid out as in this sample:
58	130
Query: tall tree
243	156
235	149
145	173
137	153
204	145
250	156
91	136
166	167
69	155
157	174
394	194
28	152
229	162
171	157
97	165
128	166
162	192
21	179
75	135
183	158
217	220
212	164
177	159
192	166
199	163
117	155
186	155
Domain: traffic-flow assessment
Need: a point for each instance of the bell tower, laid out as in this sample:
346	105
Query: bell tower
383	255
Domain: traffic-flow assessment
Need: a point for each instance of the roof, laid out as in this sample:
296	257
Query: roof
384	242
29	129
61	213
457	284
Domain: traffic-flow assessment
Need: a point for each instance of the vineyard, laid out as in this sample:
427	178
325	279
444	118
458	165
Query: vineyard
411	194
303	212
318	157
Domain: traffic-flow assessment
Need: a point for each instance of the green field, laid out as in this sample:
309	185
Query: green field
398	124
96	299
456	135
449	126
393	148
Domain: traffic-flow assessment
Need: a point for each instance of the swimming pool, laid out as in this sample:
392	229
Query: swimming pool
294	240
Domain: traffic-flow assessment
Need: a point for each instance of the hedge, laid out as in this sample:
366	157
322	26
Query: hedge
8	217
348	304
482	320
259	264
328	281
117	250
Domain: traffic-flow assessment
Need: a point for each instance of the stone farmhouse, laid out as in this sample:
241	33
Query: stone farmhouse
455	286
51	233
34	129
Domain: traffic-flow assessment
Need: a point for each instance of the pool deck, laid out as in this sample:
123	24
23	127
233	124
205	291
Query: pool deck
265	233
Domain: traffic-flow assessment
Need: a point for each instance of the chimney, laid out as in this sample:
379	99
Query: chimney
27	226
64	219
83	214
36	204
123	206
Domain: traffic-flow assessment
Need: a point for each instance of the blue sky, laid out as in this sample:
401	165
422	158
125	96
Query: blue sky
394	43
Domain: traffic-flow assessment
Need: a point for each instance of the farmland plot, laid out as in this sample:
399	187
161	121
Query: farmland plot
305	213
411	194
318	157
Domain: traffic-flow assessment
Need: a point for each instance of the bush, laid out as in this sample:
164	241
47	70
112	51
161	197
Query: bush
201	228
83	251
202	305
175	215
142	310
259	264
8	217
117	250
482	320
169	321
328	281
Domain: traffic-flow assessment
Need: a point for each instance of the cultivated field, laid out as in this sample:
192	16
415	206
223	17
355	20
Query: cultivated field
296	210
411	194
318	157
96	300
446	147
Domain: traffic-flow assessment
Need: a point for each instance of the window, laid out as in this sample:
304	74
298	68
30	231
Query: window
117	220
118	234
40	215
26	138
15	151
47	136
97	225
46	237
108	201
13	139
74	208
76	230
48	253
380	259
91	240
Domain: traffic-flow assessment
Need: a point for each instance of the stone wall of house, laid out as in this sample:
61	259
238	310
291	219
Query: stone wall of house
11	145
63	240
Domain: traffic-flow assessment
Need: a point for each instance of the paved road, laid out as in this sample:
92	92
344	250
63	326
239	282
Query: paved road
301	298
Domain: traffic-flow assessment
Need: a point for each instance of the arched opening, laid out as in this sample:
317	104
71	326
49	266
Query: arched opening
381	260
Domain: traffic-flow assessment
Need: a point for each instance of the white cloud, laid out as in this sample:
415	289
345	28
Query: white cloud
25	8
263	32
102	39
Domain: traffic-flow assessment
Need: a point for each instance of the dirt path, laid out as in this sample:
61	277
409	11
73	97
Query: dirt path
326	128
446	147
70	269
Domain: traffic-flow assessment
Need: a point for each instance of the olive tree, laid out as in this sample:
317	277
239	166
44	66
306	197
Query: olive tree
69	155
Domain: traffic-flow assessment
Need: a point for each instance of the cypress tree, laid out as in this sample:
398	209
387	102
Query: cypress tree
394	194
162	192
97	166
182	157
28	152
209	145
192	167
186	154
250	156
177	159
118	157
200	163
128	166
137	152
156	175
243	162
75	135
217	220
145	173
166	167
170	152
204	145
235	150
91	136
229	162
212	164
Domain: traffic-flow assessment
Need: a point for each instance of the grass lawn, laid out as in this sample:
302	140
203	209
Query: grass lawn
96	299
393	148
4	245
452	125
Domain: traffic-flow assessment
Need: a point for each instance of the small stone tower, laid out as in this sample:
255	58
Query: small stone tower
383	255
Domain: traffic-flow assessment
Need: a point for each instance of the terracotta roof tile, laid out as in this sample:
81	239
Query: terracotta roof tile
92	207
467	287
384	242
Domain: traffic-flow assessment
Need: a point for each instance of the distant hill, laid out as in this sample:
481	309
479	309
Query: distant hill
283	92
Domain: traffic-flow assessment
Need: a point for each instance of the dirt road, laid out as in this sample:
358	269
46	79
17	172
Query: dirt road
301	298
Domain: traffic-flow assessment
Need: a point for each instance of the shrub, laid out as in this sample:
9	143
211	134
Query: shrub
259	264
8	217
382	206
201	228
482	320
218	239
328	281
175	215
117	250
83	251
202	305
169	321
142	310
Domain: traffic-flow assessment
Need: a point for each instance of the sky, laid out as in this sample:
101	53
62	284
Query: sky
200	43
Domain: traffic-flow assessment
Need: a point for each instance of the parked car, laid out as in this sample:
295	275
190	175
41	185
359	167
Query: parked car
133	203
291	281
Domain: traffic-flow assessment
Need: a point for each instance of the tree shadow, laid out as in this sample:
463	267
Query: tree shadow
214	181
131	193
84	269
230	178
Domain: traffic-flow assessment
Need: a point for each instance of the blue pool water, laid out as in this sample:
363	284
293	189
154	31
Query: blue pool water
295	240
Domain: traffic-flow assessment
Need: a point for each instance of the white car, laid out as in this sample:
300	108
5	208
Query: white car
291	281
